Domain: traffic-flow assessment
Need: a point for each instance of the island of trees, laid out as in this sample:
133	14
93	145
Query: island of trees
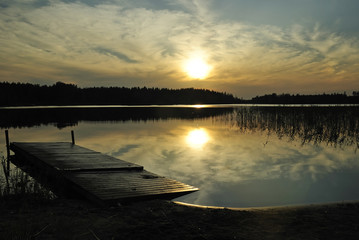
26	94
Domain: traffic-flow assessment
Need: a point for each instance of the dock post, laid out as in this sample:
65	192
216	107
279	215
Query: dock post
73	137
7	150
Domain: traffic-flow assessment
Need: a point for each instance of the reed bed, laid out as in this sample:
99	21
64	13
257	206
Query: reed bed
17	184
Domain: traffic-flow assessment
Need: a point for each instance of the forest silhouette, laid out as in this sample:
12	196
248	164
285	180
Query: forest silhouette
20	94
334	98
26	94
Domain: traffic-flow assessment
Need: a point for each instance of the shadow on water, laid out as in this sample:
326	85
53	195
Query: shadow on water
63	117
335	126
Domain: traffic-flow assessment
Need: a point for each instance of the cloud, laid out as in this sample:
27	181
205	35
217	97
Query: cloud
124	150
118	55
123	40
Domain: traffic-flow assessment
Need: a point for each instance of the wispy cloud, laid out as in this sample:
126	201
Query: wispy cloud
121	40
113	53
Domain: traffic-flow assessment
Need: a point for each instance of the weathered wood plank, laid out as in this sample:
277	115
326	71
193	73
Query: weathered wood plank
98	177
55	147
67	157
121	185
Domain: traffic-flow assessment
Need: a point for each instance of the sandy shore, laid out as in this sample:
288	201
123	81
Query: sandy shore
74	219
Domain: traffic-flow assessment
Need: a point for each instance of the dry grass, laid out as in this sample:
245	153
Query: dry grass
18	185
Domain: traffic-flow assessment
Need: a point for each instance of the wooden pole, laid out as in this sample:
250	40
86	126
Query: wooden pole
7	150
73	137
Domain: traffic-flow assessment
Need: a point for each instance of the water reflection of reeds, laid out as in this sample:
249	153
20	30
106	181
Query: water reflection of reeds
336	126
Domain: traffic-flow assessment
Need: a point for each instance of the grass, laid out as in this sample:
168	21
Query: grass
16	184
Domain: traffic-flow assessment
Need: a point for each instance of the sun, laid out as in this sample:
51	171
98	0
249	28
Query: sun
197	68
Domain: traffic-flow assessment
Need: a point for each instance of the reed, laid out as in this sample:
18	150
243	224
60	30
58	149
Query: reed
17	184
334	126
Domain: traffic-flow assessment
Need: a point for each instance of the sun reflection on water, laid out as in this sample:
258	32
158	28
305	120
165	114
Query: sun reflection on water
199	106
197	138
249	158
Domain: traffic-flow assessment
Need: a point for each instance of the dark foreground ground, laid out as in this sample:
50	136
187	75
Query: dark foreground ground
73	219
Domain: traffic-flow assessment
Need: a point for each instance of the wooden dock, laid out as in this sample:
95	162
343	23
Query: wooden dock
98	177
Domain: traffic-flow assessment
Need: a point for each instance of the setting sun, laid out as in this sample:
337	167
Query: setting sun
197	68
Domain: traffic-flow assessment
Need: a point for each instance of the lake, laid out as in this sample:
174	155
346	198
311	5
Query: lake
239	156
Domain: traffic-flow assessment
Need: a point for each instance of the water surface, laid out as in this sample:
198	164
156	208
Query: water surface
239	156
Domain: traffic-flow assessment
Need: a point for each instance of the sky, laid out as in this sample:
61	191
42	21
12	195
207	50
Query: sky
244	47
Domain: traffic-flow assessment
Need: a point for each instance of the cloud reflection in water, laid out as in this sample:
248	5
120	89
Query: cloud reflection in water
234	166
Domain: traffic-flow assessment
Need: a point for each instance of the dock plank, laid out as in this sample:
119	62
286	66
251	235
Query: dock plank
127	185
99	177
67	157
53	147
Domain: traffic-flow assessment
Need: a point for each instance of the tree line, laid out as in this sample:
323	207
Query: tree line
26	94
334	98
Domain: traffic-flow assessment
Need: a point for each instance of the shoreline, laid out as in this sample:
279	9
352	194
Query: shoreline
161	219
178	105
279	207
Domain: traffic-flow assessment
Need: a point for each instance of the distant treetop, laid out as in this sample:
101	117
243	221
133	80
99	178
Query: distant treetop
26	94
334	98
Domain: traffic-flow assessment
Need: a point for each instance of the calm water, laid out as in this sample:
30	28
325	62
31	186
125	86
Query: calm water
239	156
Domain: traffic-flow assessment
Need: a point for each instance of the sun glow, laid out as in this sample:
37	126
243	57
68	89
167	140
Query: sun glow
197	68
197	138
